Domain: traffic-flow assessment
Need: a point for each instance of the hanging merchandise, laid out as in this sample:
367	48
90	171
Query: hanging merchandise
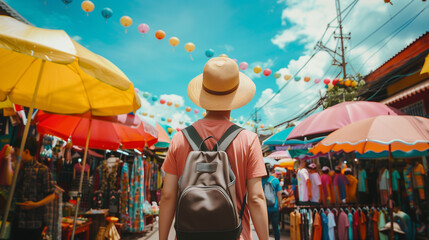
209	53
137	192
160	34
126	22
125	189
143	28
174	41
87	6
189	47
106	13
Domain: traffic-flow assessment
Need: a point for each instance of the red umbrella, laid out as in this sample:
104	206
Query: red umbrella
337	116
103	134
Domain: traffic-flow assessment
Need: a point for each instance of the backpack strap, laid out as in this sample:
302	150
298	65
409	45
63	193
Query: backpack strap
243	205
194	139
227	138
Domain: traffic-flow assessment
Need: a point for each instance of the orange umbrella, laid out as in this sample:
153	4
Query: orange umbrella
378	134
287	163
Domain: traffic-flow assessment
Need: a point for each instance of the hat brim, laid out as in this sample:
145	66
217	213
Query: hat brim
240	97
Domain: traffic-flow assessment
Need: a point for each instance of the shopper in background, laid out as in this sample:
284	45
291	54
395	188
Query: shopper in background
316	183
326	186
351	186
273	211
339	183
304	184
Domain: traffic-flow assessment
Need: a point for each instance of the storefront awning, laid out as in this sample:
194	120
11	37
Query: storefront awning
407	93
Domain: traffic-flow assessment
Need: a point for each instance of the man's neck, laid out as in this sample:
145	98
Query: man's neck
218	115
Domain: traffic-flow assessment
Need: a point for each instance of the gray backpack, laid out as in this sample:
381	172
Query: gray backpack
207	206
270	195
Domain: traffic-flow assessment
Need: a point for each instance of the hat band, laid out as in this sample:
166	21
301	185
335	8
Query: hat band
220	93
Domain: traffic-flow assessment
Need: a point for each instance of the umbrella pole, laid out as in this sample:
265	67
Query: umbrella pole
79	196
391	233
21	150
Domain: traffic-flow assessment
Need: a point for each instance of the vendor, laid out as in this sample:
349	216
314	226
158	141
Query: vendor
34	190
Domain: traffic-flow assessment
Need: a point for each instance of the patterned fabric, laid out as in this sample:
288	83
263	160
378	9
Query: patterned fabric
125	194
34	184
54	216
136	197
408	179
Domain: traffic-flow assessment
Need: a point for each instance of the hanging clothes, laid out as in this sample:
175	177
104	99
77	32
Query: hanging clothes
343	226
362	225
381	224
350	216
331	225
317	227
54	215
325	229
125	195
137	191
408	180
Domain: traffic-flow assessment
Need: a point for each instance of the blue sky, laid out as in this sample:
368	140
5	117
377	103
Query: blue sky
276	34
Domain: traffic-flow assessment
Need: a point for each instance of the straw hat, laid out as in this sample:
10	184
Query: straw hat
221	86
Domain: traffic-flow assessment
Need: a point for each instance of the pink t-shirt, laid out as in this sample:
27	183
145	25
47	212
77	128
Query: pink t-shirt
326	180
244	154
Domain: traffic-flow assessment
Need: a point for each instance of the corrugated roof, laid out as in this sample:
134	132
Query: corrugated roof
407	93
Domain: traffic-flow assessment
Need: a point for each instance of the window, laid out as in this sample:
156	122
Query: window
415	109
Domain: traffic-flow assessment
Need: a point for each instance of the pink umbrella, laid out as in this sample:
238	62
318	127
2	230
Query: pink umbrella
337	116
279	155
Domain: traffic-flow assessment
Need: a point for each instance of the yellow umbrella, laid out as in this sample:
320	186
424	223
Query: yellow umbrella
287	163
425	68
46	69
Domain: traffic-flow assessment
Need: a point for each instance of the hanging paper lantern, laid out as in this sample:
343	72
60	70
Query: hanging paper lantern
341	81
326	86
188	109
335	81
307	79
143	28
152	116
243	65
145	94
87	6
287	77
204	114
247	123
330	86
66	2
277	75
209	53
170	130
347	83
189	47
154	98
177	105
106	13
163	119
326	81
262	126
257	69
297	78
235	60
169	120
178	129
223	55
317	80
174	41
267	72
252	125
169	103
126	22
160	34
196	111
180	122
353	84
144	114
162	101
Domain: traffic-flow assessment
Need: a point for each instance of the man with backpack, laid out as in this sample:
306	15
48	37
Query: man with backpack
213	165
273	196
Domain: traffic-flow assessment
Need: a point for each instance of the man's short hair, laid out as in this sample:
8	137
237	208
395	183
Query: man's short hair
31	144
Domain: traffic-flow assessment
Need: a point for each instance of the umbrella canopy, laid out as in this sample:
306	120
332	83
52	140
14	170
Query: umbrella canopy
103	134
286	163
279	155
67	77
401	133
280	139
270	161
164	135
337	116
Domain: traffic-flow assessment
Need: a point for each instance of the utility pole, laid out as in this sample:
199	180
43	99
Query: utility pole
337	54
343	62
256	120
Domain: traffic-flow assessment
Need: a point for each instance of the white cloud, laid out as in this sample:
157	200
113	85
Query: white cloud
179	117
228	48
77	38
